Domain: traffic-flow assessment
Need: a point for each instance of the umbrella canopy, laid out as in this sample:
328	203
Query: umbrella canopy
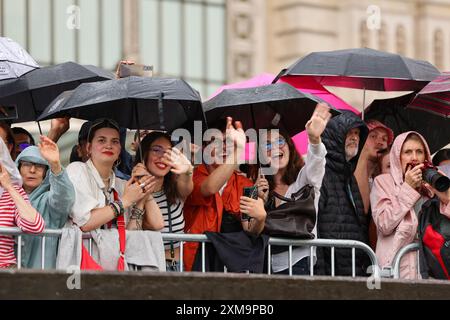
14	60
364	68
134	102
34	91
394	113
435	96
277	104
257	81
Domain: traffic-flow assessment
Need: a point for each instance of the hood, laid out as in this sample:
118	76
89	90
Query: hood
334	140
394	156
31	154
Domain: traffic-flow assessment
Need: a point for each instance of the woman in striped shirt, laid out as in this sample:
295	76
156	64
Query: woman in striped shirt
15	208
173	173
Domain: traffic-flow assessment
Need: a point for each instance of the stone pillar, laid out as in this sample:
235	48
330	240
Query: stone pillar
246	51
130	30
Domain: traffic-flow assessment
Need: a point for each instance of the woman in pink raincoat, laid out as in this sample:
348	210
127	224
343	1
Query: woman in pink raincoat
396	199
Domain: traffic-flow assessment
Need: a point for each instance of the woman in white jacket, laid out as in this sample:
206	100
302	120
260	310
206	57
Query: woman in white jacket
291	174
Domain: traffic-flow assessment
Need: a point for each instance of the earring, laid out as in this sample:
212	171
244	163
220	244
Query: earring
117	163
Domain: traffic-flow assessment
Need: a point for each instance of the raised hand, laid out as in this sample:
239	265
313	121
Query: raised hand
5	179
178	161
58	127
129	62
50	152
235	140
318	122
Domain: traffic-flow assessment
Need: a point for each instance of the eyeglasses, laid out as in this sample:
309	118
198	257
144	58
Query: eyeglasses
280	143
158	151
37	166
102	123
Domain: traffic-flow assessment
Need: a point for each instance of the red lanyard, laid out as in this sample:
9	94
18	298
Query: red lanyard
122	238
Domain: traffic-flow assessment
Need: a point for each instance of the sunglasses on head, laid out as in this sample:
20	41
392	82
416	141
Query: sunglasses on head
280	142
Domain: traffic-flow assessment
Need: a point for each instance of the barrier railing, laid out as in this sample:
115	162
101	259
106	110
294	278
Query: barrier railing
399	256
182	238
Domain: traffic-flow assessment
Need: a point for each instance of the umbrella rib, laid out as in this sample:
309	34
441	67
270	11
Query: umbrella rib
440	114
435	99
404	63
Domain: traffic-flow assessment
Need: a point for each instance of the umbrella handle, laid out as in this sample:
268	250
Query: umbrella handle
161	111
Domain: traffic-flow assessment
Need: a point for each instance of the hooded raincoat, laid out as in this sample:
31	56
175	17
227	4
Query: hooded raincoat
54	199
395	207
341	211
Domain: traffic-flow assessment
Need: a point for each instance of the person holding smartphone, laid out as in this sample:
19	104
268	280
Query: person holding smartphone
290	174
217	201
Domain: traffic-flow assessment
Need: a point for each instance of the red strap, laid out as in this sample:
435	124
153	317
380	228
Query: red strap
122	238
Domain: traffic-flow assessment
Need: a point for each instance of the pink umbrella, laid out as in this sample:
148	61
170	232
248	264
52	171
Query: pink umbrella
262	79
304	84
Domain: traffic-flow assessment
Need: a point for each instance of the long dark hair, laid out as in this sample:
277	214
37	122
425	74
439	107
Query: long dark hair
295	161
169	184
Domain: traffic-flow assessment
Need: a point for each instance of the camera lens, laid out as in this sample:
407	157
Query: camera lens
438	181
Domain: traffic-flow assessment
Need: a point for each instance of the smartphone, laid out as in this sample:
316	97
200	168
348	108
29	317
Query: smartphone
8	112
251	192
140	70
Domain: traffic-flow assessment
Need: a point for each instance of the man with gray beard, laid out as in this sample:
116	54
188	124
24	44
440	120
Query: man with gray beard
341	209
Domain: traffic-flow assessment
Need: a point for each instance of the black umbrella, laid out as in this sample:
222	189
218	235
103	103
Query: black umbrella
134	102
34	91
277	104
364	68
394	113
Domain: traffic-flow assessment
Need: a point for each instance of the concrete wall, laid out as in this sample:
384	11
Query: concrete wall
26	284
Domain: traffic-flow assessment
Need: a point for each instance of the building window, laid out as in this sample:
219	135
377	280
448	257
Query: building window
438	44
46	29
185	39
400	40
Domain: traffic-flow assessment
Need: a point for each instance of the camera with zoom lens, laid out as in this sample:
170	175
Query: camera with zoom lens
431	175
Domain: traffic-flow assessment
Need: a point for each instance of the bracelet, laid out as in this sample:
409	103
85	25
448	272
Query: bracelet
116	209
120	204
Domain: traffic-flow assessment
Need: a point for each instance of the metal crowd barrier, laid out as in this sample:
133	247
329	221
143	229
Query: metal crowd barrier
182	238
399	256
